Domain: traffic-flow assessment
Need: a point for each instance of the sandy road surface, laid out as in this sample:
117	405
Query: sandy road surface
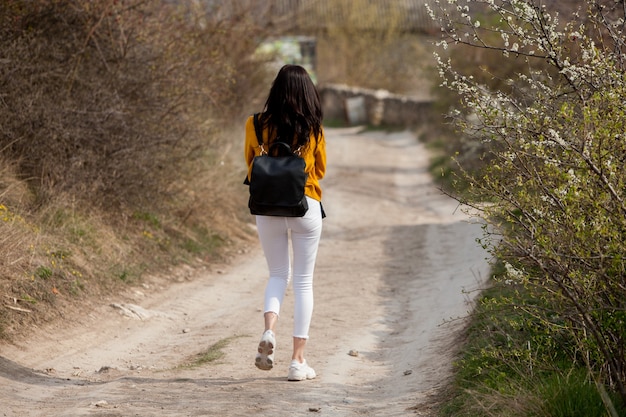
395	259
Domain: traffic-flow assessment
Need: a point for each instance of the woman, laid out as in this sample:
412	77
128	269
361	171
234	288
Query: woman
293	113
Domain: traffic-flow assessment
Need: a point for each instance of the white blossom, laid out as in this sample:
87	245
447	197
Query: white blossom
556	137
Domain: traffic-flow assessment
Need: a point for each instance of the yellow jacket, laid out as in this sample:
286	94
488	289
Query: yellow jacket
314	158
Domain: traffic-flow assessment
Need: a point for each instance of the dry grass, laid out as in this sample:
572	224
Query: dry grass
115	158
118	158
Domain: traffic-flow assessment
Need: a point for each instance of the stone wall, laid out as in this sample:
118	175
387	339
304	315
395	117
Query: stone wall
356	106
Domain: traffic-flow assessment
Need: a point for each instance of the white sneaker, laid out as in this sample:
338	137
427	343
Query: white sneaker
300	371
265	358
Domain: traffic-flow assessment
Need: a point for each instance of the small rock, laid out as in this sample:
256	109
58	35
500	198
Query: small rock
101	403
408	372
186	330
353	352
315	409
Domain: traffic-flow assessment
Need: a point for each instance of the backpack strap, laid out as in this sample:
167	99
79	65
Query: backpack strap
259	138
259	132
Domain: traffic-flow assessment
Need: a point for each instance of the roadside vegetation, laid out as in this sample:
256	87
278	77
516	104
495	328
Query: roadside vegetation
536	93
115	147
120	136
120	130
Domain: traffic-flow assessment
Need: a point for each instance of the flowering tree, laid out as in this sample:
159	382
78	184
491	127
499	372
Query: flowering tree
555	181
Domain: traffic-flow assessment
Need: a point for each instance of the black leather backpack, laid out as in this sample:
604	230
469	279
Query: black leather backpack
277	180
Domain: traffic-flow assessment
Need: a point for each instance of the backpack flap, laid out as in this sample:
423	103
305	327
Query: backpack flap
277	186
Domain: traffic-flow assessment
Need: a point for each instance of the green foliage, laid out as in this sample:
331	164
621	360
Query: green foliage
553	173
570	395
513	365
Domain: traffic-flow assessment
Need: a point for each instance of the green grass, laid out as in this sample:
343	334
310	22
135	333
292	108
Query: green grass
510	366
43	272
212	354
149	218
570	395
202	241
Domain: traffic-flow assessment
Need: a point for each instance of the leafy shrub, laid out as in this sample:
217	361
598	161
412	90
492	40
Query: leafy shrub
512	365
554	181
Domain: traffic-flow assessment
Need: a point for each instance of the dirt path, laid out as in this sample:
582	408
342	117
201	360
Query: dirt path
395	259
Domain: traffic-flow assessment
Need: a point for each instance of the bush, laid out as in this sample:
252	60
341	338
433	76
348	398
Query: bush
116	130
108	101
512	365
554	181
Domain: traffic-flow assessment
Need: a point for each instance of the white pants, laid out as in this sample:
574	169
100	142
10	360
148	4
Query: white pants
305	236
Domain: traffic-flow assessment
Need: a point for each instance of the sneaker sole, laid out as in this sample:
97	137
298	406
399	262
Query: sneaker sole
297	379
264	359
303	377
